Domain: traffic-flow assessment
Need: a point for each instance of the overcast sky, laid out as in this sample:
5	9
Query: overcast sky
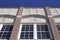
38	3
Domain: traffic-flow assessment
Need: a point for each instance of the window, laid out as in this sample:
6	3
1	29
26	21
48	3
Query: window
27	32
43	32
5	31
34	31
58	27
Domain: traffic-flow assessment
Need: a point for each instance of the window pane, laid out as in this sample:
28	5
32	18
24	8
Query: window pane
6	31
38	28
46	28
27	32
4	26
6	35
58	27
39	35
1	34
42	28
31	27
23	27
27	27
22	36
47	35
43	32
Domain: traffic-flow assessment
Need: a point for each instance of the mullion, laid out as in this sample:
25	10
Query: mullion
24	36
42	28
27	28
1	34
7	28
29	32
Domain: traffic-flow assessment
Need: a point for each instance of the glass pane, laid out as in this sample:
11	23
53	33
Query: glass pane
46	28
23	27
39	35
27	32
38	28
42	28
58	26
31	28
6	31
4	26
27	27
43	32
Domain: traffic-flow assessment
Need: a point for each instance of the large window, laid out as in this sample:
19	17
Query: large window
5	31
35	31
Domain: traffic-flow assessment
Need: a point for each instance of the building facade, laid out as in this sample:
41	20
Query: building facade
30	23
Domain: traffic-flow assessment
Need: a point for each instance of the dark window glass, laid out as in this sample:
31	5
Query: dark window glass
47	35
38	28
23	27
1	34
26	36
58	27
27	27
39	35
6	31
6	35
43	32
42	28
31	27
22	36
4	26
46	28
30	36
27	32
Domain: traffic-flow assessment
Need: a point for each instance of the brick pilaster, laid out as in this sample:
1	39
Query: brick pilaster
51	23
16	25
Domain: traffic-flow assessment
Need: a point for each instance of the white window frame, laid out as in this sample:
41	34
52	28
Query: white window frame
1	25
34	32
19	31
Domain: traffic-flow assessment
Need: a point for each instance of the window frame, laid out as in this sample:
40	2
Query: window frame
34	30
5	32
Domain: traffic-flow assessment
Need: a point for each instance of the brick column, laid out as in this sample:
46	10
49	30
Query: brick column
16	25
51	23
